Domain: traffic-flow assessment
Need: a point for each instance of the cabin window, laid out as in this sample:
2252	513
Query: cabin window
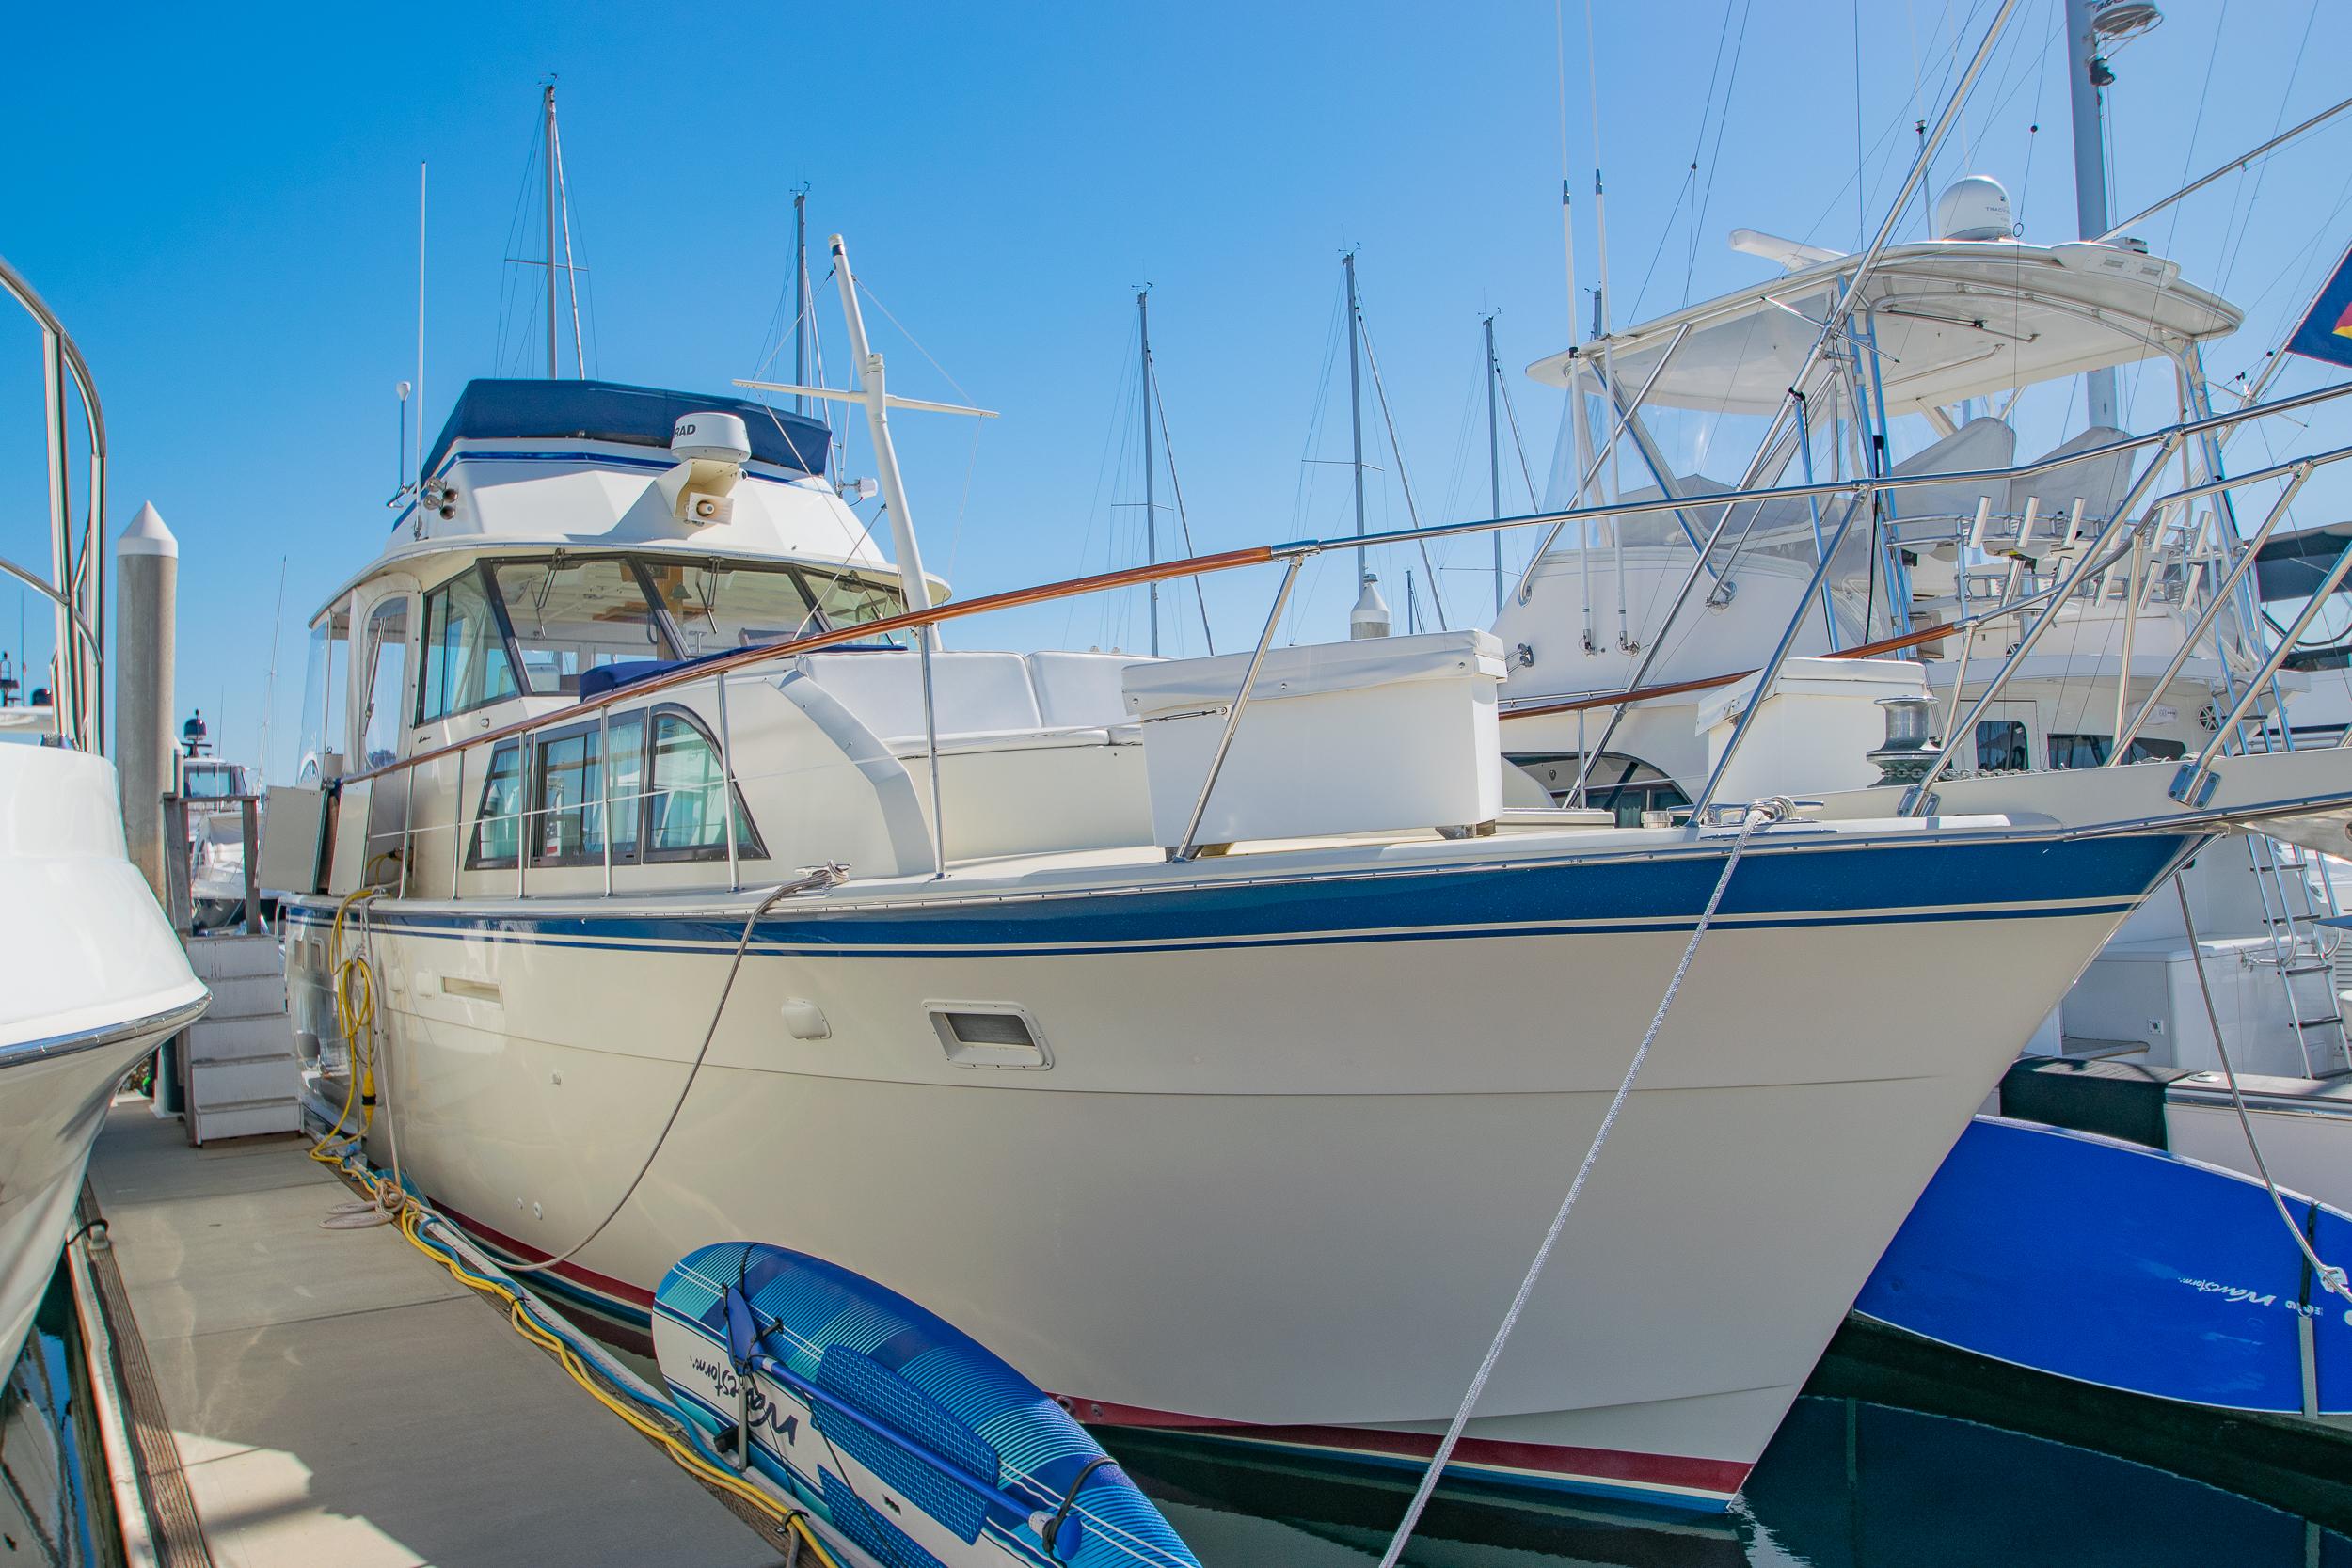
683	792
387	654
465	654
1623	785
498	826
323	698
2001	746
719	606
570	616
2091	751
571	811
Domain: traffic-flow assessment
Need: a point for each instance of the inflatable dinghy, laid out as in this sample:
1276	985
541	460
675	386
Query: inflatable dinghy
914	1442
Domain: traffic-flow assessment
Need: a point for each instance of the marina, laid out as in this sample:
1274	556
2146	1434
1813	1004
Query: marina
1769	988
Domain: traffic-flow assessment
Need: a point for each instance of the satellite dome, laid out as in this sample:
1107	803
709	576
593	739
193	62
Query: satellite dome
1974	207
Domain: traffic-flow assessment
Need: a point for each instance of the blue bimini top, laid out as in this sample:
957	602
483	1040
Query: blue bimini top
543	410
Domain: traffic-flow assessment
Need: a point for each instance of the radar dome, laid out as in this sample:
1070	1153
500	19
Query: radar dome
1974	207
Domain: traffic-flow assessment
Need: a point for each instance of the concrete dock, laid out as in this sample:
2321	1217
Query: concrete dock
337	1397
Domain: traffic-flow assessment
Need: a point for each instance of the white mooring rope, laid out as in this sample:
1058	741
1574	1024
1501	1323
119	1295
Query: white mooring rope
2330	1277
1776	808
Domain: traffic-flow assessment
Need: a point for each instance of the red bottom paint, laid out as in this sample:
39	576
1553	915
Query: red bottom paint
615	1302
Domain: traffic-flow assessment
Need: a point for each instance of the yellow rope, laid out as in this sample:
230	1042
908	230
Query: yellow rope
410	1214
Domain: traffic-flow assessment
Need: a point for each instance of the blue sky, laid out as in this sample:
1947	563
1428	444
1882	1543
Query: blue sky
225	216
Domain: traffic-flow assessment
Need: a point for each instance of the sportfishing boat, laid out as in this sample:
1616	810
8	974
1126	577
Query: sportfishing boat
1209	1038
94	976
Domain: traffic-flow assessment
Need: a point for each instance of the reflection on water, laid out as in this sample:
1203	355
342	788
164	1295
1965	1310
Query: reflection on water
1845	1484
51	1513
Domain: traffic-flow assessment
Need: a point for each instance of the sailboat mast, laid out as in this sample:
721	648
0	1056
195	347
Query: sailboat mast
1355	404
1151	516
2084	70
799	296
548	137
1494	459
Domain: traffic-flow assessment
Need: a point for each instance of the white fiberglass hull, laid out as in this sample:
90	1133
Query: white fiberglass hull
92	980
1297	1141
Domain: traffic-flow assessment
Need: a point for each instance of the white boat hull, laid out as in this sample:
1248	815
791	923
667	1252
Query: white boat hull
1280	1183
94	979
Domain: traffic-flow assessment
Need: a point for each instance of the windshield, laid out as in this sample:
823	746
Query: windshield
572	617
720	606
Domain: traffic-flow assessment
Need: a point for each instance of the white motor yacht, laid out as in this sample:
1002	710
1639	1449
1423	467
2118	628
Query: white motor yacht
1207	1036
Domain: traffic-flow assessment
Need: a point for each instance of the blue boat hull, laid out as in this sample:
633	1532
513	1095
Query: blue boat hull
2122	1267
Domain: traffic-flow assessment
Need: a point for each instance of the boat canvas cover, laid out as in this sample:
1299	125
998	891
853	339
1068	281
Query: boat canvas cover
541	410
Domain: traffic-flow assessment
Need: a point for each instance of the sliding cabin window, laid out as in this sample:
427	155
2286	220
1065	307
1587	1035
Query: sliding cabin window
683	789
577	801
465	652
569	616
2091	751
497	824
662	807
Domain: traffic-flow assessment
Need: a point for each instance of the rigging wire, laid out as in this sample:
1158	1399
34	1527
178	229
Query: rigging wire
1184	522
2236	247
1403	480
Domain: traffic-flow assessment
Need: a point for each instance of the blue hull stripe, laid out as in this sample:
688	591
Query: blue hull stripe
1882	884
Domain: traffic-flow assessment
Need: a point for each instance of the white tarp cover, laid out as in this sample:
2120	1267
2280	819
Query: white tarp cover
1176	684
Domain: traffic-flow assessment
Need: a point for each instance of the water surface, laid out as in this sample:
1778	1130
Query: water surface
1845	1484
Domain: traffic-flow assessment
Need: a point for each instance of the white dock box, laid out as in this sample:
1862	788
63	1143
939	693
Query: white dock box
1338	737
1815	733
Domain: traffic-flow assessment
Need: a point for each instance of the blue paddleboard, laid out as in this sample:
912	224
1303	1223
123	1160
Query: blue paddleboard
916	1443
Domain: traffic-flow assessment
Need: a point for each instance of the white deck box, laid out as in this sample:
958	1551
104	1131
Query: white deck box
1816	731
1338	737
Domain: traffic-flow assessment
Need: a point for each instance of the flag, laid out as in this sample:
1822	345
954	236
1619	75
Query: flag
2327	332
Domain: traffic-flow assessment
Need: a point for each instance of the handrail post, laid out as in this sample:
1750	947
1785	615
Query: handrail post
1769	675
522	815
726	793
457	827
1241	701
930	749
2220	596
1625	416
604	793
408	828
2186	784
1915	799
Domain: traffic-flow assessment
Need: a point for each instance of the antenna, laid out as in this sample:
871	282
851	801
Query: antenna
1150	518
400	452
1354	402
420	178
1494	455
548	138
801	321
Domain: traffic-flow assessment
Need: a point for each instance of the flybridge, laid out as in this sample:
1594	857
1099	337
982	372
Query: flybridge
538	410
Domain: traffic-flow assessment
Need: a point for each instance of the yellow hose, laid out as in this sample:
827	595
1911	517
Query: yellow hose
410	1214
352	981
